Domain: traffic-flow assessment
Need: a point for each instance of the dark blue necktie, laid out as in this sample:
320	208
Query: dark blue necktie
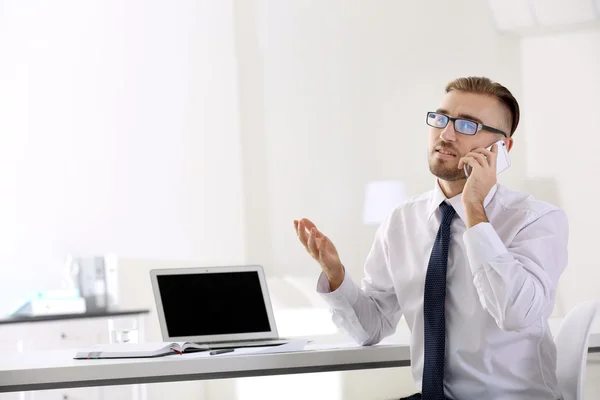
434	318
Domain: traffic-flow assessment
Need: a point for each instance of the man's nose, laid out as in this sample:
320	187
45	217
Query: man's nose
448	134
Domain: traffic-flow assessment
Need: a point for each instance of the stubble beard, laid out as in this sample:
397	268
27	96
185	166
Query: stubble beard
444	170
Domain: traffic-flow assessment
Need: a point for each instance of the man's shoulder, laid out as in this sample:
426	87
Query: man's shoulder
514	201
414	206
419	201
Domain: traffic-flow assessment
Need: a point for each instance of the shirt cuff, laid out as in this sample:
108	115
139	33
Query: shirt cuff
345	295
483	245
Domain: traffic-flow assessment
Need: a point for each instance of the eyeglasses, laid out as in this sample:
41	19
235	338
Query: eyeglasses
461	125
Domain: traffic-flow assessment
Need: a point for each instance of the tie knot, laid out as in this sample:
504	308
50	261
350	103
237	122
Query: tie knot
447	213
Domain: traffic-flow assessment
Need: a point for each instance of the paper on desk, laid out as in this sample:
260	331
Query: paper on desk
293	346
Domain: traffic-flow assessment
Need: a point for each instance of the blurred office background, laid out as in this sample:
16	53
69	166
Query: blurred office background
193	132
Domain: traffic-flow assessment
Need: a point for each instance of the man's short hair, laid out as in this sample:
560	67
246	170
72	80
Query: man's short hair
482	85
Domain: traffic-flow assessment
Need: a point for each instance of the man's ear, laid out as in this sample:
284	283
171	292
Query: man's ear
509	144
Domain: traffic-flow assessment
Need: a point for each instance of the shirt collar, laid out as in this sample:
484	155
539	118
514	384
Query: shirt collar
456	202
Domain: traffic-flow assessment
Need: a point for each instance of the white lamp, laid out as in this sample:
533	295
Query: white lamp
381	197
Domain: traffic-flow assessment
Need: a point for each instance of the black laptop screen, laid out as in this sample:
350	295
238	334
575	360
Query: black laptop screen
213	303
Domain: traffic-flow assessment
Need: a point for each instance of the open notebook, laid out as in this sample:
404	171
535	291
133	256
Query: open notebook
142	350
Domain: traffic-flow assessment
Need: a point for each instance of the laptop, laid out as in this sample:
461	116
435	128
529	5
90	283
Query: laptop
222	307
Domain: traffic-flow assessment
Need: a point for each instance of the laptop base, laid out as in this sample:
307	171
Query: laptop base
246	343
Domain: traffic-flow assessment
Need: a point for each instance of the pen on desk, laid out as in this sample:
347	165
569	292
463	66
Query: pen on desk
215	352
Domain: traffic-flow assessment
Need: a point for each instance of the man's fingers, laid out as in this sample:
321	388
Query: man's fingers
323	246
465	161
308	224
298	229
312	243
302	235
311	238
472	162
462	162
491	155
480	157
480	160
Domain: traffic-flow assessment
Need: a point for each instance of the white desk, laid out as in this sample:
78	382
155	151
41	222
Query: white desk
56	368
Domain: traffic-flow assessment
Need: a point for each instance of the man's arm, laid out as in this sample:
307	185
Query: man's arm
370	313
517	285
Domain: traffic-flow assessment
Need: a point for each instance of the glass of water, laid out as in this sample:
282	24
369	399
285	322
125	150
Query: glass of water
123	330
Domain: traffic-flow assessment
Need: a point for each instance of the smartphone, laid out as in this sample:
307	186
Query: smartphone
502	160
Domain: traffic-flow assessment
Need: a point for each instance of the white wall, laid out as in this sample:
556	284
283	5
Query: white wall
561	87
306	151
119	131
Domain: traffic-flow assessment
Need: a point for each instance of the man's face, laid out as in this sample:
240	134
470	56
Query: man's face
476	107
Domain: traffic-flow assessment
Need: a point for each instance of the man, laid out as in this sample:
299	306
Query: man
472	265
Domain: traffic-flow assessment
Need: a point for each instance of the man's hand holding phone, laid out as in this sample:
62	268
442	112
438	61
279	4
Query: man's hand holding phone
483	166
322	250
482	163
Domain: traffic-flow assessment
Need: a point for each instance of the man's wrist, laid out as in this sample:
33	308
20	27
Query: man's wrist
335	279
475	213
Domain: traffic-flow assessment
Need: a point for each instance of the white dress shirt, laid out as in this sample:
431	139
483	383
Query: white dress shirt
501	285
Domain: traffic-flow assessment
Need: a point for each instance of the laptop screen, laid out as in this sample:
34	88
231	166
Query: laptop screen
218	303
